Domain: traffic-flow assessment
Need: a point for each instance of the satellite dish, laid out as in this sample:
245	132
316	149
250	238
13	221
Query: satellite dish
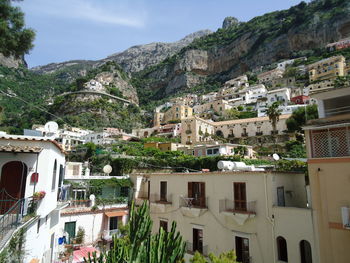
275	156
107	169
51	127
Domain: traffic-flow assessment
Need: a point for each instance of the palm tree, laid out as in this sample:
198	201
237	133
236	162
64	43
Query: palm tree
274	115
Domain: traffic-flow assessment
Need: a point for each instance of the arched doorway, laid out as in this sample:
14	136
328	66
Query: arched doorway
282	251
305	252
219	133
12	184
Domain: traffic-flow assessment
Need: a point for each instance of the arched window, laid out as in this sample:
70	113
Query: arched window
305	252
54	173
282	249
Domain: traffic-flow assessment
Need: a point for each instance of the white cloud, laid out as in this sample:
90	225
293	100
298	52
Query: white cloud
96	11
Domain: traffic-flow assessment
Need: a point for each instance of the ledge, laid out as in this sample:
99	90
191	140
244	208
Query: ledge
240	217
193	211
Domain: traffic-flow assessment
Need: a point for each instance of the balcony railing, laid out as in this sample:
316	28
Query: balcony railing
79	203
108	234
157	198
259	133
231	206
337	111
190	202
191	249
334	142
244	134
274	132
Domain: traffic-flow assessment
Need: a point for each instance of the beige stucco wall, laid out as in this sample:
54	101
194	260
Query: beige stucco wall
330	184
220	229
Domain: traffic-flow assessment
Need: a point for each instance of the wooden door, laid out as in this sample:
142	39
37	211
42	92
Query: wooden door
197	240
242	249
240	196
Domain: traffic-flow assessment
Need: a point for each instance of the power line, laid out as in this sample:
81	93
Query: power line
14	95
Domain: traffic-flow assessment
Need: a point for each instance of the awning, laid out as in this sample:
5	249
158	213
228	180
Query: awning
116	213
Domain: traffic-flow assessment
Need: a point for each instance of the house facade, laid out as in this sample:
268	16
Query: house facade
328	68
29	166
263	216
328	150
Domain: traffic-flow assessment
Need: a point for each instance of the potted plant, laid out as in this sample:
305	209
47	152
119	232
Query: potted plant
39	195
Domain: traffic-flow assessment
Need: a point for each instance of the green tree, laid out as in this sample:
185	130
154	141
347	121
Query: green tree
140	246
299	117
15	39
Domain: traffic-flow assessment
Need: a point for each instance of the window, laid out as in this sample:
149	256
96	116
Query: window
280	196
242	249
196	190
305	252
113	223
282	249
53	186
69	227
163	224
240	197
163	191
197	240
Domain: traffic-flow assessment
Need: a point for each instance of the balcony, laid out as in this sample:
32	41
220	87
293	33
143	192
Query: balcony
108	234
160	204
244	134
274	132
201	249
332	142
79	203
238	211
259	133
193	207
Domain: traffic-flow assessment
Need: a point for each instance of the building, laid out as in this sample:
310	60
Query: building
100	138
278	95
285	110
328	150
263	216
301	99
99	211
329	68
341	44
216	106
175	113
31	176
239	82
219	149
197	130
267	77
163	146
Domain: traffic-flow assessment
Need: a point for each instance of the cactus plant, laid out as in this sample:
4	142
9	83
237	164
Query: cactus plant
140	246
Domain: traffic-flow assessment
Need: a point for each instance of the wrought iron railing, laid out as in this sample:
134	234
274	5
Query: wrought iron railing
108	234
226	205
190	202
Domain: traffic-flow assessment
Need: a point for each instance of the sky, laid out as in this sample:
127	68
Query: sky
93	29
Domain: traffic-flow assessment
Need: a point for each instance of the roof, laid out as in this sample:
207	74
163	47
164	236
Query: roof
83	252
266	118
30	138
20	149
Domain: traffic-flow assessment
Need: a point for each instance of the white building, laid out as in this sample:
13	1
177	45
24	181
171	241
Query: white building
30	165
99	138
288	109
280	95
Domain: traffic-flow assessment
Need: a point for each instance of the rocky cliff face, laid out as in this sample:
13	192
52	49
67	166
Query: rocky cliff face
11	62
132	60
248	49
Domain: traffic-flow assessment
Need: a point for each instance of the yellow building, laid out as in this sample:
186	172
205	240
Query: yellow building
263	216
176	112
163	146
328	68
328	148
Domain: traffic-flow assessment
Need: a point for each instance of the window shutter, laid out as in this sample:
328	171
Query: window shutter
190	192
202	194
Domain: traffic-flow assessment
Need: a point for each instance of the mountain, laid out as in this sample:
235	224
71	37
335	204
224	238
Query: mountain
240	47
133	59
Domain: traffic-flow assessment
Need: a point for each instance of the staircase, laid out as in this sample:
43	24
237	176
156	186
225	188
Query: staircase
12	212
